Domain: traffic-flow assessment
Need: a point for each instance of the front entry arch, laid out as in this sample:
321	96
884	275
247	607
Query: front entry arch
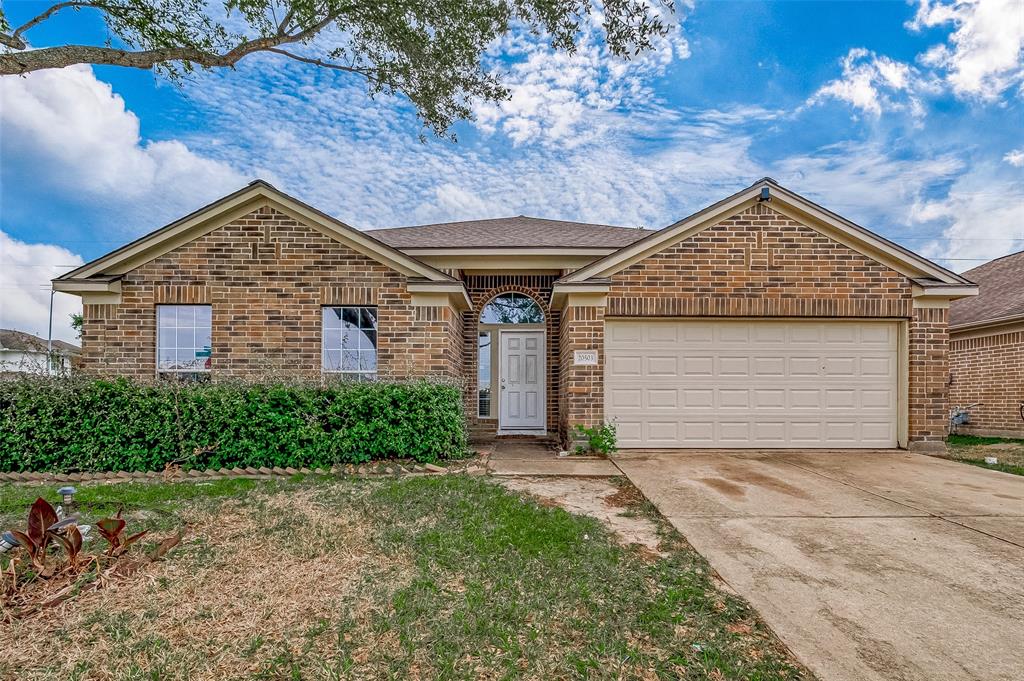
514	323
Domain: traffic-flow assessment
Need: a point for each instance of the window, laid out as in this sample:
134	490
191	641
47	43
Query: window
350	341
183	345
512	308
483	374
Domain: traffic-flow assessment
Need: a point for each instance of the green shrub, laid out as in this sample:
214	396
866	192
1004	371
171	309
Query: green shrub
99	425
600	439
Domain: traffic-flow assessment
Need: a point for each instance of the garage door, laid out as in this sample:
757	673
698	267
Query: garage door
771	384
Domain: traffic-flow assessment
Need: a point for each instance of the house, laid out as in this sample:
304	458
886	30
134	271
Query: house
762	321
986	358
22	352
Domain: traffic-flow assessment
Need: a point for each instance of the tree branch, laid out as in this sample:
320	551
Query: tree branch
319	62
14	41
21	63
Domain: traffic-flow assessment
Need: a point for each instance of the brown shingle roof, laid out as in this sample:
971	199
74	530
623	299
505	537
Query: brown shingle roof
10	339
1001	292
511	232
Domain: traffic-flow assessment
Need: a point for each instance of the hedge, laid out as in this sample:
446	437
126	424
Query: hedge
97	425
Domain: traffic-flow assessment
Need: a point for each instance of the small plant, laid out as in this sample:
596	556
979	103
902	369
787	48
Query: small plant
37	537
600	439
112	529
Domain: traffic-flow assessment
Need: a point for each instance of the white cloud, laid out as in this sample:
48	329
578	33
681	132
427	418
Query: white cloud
983	57
869	81
566	99
980	217
76	136
25	273
1015	158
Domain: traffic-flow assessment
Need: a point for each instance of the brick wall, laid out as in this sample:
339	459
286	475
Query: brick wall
481	289
266	277
761	263
989	370
581	393
929	374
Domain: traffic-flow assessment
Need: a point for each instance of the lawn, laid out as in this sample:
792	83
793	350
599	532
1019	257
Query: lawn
973	450
449	577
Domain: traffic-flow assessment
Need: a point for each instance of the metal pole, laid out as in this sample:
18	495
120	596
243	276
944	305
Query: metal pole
49	339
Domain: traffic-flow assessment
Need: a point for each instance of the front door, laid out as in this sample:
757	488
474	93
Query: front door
521	381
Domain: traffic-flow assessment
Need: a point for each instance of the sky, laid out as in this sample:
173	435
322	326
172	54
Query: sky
905	117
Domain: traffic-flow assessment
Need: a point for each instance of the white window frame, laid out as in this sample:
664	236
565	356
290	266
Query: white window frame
204	371
358	374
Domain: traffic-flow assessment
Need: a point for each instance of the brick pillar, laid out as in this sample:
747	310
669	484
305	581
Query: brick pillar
581	388
929	374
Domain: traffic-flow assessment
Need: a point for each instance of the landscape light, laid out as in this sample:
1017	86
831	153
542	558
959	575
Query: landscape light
67	495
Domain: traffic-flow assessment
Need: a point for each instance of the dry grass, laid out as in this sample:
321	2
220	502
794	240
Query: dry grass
234	587
421	578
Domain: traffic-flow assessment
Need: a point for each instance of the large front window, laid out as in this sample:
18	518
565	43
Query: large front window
183	341
350	341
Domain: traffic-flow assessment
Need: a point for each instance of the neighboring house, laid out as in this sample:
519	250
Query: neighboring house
761	321
986	359
22	352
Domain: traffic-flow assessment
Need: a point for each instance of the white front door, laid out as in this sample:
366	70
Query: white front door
521	381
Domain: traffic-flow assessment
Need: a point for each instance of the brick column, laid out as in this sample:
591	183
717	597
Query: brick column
581	388
929	376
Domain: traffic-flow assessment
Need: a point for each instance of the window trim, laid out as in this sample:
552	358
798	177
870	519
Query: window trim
206	371
358	374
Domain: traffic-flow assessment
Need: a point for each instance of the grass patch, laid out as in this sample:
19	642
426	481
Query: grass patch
447	577
973	449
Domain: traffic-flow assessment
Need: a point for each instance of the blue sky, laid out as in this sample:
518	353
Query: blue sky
904	117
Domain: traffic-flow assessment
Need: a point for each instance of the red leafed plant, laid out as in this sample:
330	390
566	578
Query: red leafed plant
112	529
36	539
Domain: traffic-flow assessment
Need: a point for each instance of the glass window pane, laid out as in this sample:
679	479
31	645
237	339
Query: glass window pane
368	360
350	360
367	318
484	361
332	360
368	340
166	316
484	406
185	338
203	314
332	339
165	359
332	317
203	338
350	315
350	338
512	308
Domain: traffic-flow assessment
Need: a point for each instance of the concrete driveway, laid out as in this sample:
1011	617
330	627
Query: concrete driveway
869	565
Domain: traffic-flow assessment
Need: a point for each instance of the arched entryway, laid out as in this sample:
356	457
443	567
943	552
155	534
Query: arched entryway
512	371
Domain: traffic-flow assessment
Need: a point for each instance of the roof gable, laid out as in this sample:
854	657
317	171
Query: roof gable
233	206
789	204
1001	295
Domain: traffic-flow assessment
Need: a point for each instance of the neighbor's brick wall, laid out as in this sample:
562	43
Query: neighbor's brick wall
266	277
481	289
989	370
762	263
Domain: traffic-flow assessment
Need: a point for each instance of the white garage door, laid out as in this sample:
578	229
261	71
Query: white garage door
752	383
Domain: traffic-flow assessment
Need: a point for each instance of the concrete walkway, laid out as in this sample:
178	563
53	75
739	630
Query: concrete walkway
869	565
514	456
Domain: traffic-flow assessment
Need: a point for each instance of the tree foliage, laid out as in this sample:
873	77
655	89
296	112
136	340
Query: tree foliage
432	51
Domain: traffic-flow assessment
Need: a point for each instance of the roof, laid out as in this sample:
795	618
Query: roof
1001	296
519	231
789	203
10	339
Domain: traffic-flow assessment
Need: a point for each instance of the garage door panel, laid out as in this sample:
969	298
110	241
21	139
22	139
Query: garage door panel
752	383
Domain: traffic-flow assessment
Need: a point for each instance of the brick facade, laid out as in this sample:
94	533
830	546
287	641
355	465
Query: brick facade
481	289
760	263
990	370
266	277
